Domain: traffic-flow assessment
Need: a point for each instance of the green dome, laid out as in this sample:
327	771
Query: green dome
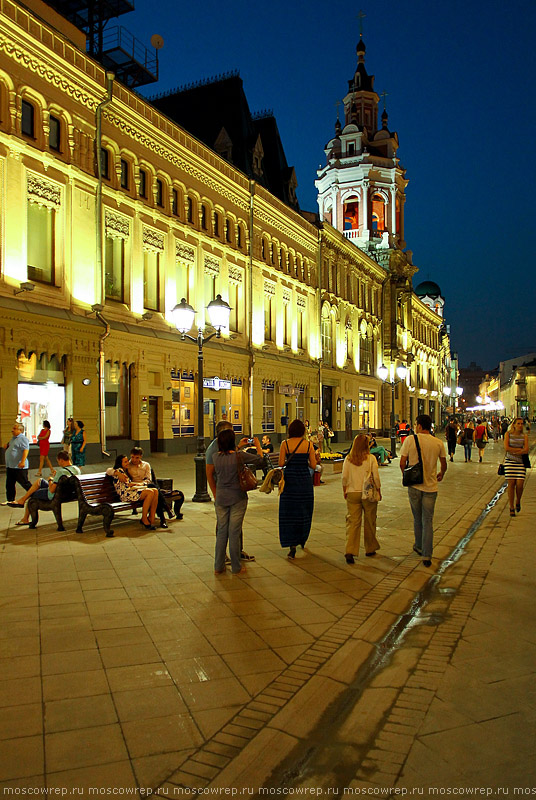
428	288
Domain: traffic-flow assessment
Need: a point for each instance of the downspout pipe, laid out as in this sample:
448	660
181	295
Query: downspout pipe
250	305
99	264
102	398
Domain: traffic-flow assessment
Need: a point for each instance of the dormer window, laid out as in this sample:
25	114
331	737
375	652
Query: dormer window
351	149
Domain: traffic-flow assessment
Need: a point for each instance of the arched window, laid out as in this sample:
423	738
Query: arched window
378	213
351	214
365	354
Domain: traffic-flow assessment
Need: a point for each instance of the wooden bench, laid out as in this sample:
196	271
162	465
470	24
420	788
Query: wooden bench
97	497
65	493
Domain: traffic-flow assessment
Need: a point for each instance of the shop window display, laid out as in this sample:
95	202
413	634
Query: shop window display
41	394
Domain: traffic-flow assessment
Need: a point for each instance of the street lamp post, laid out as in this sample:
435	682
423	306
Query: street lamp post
383	372
184	314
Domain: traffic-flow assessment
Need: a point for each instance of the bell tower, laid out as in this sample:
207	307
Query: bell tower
361	189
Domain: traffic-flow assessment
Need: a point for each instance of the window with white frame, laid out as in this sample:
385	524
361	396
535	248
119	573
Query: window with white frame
153	248
116	234
327	338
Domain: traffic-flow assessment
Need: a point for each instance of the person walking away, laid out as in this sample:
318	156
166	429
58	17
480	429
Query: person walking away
43	437
469	436
516	445
404	430
451	433
296	502
16	460
358	465
45	490
231	501
423	496
78	444
481	437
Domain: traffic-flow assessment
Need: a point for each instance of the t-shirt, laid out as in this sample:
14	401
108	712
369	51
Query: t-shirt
481	432
268	447
432	449
228	491
16	448
60	471
353	476
209	452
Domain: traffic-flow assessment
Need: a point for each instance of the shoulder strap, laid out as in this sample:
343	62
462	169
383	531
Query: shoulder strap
417	445
289	455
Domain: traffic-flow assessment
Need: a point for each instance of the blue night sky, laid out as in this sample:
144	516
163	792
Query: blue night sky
460	83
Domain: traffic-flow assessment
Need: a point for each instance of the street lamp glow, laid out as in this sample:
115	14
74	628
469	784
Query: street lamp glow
402	371
218	313
383	372
459	390
447	390
183	316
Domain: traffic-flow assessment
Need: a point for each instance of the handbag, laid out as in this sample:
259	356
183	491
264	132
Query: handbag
370	491
246	478
500	471
414	474
526	461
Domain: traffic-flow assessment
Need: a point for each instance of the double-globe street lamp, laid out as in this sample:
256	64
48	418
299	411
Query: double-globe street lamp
383	372
183	316
447	391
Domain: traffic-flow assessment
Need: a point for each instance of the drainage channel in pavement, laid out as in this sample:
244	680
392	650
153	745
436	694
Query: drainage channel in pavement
327	759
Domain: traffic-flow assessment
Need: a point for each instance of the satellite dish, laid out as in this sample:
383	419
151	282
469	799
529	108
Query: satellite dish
157	41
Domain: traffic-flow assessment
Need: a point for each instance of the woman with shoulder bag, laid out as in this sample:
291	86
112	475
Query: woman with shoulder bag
516	445
360	470
481	437
296	502
231	501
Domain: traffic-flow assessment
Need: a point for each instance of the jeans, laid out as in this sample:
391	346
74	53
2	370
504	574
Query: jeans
14	476
229	528
468	448
422	507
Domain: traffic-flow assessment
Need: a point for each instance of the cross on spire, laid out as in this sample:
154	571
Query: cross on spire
338	103
383	95
361	16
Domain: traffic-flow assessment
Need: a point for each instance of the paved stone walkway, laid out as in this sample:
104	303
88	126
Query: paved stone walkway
126	663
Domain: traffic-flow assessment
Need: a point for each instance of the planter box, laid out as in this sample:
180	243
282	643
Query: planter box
332	467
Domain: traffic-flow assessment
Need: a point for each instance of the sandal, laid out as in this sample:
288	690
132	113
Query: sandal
512	512
518	507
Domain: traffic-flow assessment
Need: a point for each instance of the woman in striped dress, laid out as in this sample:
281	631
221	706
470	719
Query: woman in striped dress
516	444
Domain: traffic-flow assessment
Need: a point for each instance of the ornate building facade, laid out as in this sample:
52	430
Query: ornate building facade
111	213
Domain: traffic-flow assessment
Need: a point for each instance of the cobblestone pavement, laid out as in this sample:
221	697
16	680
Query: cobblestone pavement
127	664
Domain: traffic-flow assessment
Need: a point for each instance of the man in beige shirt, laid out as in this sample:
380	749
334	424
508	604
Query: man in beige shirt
422	496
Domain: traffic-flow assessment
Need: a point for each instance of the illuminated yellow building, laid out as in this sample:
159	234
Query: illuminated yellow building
111	213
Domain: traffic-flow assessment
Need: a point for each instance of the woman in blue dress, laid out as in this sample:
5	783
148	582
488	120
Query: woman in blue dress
78	444
296	502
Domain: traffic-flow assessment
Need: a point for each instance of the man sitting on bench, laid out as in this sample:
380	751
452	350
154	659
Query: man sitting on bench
45	490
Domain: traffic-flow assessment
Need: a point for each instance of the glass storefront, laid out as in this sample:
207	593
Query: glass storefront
41	394
183	404
367	410
117	399
268	407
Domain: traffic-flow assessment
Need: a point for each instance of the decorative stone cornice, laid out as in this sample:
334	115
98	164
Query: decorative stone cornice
269	289
116	225
184	252
235	275
43	191
211	265
153	240
286	296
